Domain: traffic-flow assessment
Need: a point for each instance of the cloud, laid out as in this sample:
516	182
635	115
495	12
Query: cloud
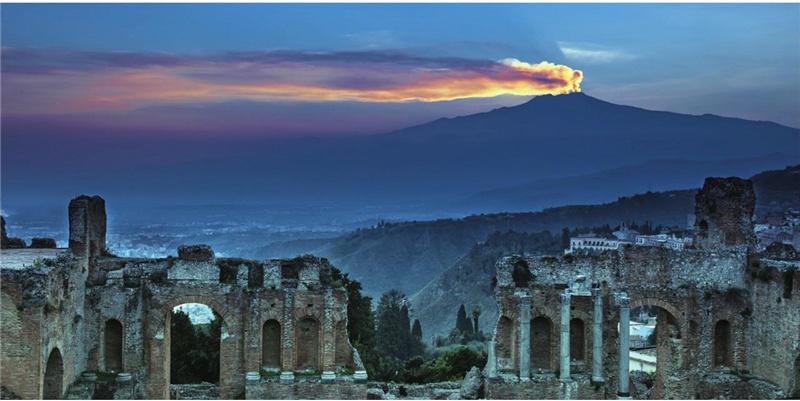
592	54
38	81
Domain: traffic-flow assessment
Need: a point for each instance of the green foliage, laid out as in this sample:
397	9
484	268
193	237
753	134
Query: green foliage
416	329
451	365
395	340
360	321
466	330
463	324
194	349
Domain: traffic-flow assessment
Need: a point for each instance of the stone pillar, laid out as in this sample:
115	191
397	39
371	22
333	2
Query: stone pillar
564	357
597	337
287	357
624	346
491	360
525	337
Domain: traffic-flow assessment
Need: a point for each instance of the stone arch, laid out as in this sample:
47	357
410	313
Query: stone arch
307	344
112	345
541	343
723	347
577	340
678	316
506	344
271	344
159	359
53	376
670	348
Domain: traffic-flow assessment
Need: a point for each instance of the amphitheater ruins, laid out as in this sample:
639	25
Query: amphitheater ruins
728	321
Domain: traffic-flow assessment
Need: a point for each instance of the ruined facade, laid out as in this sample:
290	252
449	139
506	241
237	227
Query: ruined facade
728	321
68	312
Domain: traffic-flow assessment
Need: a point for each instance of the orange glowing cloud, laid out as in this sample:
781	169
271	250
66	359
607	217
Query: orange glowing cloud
295	77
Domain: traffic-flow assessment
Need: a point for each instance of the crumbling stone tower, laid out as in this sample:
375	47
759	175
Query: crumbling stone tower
724	213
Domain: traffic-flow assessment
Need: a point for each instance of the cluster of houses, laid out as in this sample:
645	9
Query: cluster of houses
592	242
784	228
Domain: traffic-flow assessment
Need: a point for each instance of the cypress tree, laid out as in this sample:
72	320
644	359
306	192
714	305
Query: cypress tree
416	330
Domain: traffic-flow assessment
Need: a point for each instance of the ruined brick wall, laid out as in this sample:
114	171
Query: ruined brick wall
42	311
307	390
544	387
107	313
722	308
774	327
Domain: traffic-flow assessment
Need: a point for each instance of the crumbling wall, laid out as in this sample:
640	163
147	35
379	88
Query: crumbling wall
774	329
724	213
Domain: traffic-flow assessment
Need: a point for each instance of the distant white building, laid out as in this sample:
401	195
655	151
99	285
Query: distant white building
625	234
664	241
594	243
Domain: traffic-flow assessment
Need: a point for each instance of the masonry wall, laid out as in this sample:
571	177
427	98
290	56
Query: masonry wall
307	390
774	330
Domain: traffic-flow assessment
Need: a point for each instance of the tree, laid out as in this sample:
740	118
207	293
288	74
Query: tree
565	236
416	330
476	313
360	321
394	338
462	322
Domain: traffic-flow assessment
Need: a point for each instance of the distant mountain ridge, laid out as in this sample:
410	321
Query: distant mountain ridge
604	186
429	165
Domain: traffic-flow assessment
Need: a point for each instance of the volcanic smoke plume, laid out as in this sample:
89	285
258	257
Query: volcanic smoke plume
68	82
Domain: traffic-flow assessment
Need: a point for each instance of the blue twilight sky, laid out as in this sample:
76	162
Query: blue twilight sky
278	69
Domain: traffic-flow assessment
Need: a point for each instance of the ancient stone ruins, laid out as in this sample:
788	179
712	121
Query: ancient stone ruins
85	310
728	322
728	326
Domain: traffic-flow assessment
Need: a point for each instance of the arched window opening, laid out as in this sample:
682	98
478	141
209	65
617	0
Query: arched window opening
113	345
541	334
308	344
722	344
194	341
576	340
271	345
505	344
53	376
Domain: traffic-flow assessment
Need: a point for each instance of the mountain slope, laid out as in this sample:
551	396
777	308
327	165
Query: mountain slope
604	186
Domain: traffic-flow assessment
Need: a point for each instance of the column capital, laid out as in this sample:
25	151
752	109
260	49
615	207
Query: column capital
565	296
622	300
597	292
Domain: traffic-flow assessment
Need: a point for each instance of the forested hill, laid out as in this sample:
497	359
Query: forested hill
408	255
468	281
777	190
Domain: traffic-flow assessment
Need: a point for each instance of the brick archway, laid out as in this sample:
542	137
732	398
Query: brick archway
159	361
678	316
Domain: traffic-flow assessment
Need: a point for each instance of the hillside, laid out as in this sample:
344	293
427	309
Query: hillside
408	255
777	190
466	281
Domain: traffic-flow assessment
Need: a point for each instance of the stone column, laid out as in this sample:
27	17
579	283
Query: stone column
624	346
491	360
597	337
524	337
564	359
